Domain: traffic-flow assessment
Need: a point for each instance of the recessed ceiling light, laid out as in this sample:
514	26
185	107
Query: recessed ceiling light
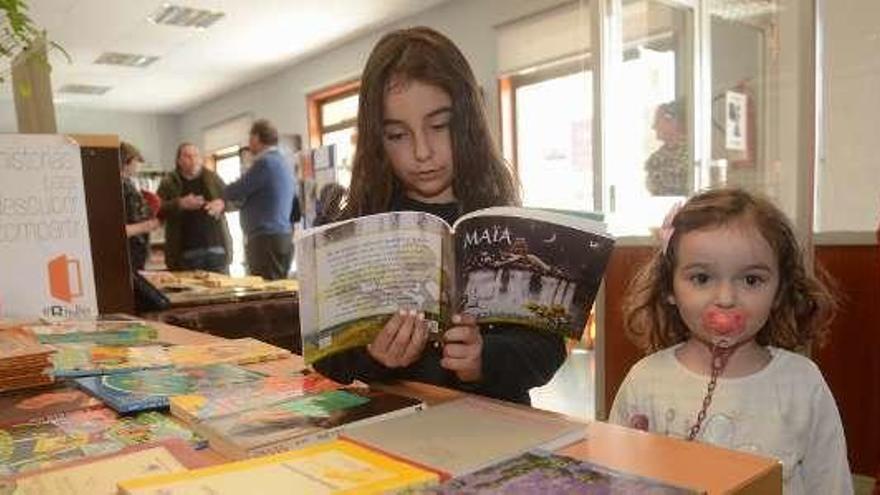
176	15
83	89
125	59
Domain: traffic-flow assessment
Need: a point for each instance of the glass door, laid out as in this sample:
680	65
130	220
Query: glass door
648	133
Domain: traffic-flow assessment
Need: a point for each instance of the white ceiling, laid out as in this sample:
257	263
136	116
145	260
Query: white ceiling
254	39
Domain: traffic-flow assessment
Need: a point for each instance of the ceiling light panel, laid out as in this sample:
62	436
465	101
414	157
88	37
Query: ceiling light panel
125	59
176	15
83	89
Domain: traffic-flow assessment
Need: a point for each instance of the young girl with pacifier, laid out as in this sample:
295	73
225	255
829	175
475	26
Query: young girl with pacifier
723	306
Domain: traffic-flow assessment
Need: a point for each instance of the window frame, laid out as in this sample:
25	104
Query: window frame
315	102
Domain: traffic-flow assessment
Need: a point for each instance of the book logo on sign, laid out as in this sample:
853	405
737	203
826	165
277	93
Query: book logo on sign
65	284
62	272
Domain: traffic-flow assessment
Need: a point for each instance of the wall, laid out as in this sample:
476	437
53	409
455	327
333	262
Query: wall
154	134
849	180
282	97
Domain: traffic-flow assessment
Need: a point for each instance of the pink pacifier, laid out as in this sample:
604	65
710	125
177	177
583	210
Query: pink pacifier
725	325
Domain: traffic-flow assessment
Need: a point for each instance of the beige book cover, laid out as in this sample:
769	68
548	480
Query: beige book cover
464	435
336	467
100	476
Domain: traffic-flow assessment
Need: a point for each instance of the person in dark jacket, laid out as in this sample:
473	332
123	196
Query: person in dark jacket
196	234
424	145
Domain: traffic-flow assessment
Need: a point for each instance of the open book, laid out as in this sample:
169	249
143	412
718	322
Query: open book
535	268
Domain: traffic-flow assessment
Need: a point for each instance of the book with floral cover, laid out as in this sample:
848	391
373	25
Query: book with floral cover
79	434
534	268
540	473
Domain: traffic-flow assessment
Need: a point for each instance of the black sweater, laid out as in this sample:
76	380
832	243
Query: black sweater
514	359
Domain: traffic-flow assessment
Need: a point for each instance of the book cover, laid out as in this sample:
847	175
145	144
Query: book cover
104	332
540	473
532	268
16	342
86	359
330	468
467	434
43	404
213	402
99	475
296	422
233	351
151	389
79	434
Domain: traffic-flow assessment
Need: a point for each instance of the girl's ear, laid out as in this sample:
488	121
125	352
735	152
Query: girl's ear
670	298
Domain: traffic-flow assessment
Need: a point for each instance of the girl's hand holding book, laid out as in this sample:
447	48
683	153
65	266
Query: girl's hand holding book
401	341
464	348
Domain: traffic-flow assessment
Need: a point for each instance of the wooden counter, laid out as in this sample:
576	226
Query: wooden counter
696	465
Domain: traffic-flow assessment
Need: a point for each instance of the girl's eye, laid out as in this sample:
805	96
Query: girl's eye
753	280
439	126
395	136
699	278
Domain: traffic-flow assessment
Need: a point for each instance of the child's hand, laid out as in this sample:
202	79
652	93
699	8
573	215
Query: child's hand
464	349
401	341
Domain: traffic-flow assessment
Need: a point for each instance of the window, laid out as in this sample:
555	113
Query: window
333	121
549	139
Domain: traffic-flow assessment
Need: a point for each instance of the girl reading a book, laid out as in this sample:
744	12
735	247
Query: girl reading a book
424	144
722	306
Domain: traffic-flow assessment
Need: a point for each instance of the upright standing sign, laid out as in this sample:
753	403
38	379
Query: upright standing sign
45	255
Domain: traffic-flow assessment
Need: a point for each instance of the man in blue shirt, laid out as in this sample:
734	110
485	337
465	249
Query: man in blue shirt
266	193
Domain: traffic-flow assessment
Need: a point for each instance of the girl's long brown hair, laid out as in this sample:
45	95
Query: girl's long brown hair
804	306
481	178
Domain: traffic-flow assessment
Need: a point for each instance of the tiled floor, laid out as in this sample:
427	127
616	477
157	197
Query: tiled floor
572	391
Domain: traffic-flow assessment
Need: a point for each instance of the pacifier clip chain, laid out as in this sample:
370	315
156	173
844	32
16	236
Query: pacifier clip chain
720	355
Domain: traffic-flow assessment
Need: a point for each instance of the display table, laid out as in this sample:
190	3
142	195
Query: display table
691	464
267	311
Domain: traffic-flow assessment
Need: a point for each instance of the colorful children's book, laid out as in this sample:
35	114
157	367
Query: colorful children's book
542	473
485	432
299	421
125	333
233	351
80	434
328	468
43	404
214	402
86	359
100	475
532	268
151	389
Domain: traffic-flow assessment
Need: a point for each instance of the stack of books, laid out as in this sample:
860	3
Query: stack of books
24	362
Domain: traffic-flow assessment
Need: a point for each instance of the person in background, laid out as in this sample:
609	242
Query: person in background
196	234
266	192
724	307
424	144
667	169
139	219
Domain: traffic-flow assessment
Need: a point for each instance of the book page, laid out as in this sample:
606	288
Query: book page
520	267
355	274
100	477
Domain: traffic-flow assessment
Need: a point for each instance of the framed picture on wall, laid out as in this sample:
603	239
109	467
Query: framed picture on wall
736	121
